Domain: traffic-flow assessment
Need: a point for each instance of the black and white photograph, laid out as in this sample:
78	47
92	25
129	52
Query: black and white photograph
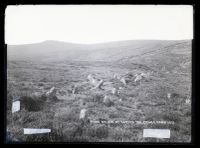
99	73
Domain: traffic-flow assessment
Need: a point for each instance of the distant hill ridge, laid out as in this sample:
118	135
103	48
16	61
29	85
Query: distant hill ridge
109	51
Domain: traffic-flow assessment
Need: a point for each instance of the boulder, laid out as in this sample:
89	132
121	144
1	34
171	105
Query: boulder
95	82
138	78
107	101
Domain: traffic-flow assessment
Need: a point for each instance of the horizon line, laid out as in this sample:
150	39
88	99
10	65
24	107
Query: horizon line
99	42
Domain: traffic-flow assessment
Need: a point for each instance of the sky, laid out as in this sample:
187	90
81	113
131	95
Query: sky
89	24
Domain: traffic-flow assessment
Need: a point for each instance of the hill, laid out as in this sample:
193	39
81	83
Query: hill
111	51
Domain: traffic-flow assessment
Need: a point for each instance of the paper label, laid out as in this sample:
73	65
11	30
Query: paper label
156	133
36	131
15	106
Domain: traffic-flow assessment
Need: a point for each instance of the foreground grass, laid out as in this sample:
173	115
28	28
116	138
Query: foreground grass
143	101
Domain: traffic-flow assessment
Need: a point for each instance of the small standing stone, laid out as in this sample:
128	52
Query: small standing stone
74	90
51	92
115	76
187	101
123	80
168	95
82	114
114	91
120	88
100	83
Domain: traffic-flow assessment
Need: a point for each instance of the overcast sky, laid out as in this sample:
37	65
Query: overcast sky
97	23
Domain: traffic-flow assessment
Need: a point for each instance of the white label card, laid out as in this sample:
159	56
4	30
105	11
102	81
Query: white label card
36	131
15	106
156	133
